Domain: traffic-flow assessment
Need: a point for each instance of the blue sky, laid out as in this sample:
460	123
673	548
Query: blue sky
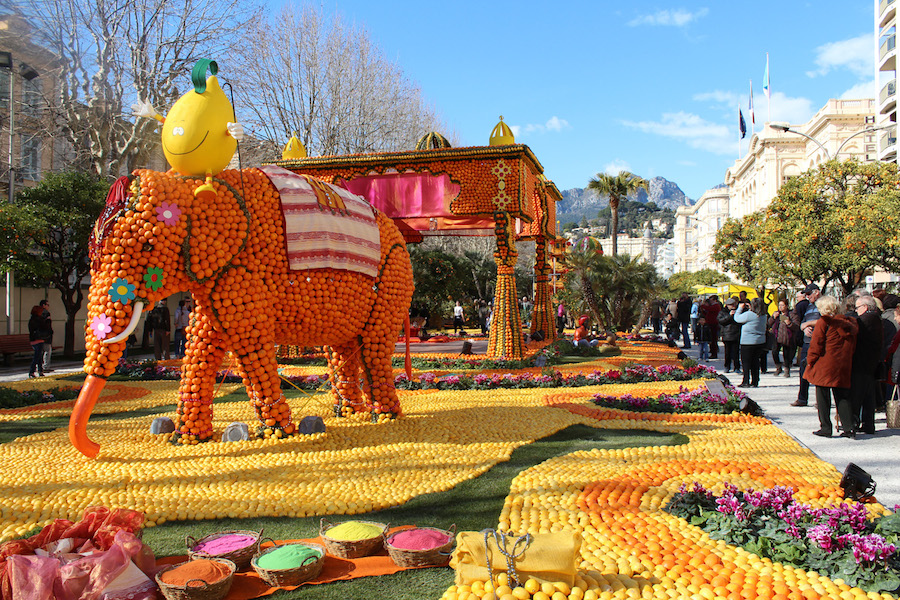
602	86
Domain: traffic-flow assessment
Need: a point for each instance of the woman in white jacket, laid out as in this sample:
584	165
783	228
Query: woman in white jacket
753	339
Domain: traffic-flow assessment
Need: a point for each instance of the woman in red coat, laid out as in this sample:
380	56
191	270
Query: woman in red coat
829	363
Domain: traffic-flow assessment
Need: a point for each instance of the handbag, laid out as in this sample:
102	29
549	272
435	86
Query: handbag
545	557
892	410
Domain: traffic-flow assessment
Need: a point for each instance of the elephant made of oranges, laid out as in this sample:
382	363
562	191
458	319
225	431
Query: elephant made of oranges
271	258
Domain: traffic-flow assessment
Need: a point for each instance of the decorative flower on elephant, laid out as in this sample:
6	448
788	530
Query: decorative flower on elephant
231	251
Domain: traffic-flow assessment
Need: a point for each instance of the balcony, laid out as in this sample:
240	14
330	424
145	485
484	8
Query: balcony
886	11
888	45
888	139
889	90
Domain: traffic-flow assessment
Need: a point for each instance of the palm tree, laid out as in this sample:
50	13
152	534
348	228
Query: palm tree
617	187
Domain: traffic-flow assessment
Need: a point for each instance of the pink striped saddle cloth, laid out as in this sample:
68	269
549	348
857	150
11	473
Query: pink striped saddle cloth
326	226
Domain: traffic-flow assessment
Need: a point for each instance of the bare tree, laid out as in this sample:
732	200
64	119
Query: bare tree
112	52
304	71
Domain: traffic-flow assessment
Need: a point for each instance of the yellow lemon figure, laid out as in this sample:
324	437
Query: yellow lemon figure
198	135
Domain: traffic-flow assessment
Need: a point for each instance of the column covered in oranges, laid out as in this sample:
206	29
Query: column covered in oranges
543	318
506	323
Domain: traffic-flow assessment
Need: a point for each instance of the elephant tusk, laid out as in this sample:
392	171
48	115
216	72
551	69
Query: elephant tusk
132	324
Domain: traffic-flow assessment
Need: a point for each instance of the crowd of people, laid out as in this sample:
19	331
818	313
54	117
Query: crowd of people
847	350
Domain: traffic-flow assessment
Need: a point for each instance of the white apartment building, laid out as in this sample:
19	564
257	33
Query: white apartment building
841	129
886	76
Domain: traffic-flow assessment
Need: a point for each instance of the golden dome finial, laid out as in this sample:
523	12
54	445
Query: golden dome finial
294	148
502	135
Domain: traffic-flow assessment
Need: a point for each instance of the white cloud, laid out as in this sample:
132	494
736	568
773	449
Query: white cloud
693	130
727	100
785	108
855	54
617	165
554	123
866	89
669	18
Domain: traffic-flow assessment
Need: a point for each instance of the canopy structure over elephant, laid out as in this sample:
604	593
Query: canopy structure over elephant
495	190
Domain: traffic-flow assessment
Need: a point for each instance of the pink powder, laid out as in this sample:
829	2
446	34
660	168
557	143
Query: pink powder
418	539
225	544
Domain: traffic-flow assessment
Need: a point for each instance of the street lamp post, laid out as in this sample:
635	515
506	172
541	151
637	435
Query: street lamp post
787	129
6	63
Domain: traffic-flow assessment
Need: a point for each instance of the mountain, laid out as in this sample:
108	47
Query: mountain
582	202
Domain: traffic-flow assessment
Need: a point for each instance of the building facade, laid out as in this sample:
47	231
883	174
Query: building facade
841	129
886	77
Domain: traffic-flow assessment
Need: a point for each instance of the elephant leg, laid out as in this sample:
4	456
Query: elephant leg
380	333
264	387
344	363
202	357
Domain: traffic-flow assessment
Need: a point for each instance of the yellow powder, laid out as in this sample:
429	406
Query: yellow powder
353	531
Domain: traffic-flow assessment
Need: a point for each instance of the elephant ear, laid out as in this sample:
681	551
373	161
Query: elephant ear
217	231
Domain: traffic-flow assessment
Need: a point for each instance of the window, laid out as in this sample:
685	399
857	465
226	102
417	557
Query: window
31	97
31	158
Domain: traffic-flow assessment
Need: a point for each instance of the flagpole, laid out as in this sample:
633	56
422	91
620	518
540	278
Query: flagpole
768	91
752	114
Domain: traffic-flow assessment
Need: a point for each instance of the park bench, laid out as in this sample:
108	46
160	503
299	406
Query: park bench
13	344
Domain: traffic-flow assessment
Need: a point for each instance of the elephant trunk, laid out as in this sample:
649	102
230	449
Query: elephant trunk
87	398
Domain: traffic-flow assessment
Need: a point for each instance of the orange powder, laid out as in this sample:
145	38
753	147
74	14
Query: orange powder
206	570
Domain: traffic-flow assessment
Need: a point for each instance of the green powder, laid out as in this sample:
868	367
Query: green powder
353	531
287	557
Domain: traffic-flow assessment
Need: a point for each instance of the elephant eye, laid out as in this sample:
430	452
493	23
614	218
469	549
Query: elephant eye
148	247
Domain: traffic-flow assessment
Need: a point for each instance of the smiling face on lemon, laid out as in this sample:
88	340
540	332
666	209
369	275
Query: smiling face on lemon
195	138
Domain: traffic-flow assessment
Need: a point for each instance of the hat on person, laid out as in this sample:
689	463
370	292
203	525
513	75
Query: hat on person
731	302
891	301
810	289
582	320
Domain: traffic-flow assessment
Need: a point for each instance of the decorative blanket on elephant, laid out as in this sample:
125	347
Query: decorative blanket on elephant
326	226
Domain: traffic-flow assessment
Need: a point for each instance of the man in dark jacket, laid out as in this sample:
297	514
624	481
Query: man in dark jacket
866	357
712	319
807	325
683	309
730	331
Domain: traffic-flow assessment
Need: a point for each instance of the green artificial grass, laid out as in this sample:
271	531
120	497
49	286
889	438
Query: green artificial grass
472	505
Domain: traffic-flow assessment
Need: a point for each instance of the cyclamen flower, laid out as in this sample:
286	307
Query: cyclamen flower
870	548
823	536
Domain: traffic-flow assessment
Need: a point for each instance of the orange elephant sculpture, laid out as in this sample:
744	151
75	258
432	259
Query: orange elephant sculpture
156	238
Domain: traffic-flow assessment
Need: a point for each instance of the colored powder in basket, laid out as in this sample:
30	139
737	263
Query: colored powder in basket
225	544
287	557
353	531
203	569
419	539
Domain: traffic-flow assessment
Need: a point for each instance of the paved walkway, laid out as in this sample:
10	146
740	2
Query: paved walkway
878	455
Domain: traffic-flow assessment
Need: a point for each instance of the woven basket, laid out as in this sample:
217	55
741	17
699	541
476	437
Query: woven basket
435	557
240	557
197	589
295	576
354	549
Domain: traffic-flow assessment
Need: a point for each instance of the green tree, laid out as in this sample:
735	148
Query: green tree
627	285
685	281
44	236
617	187
832	223
581	278
440	279
614	289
